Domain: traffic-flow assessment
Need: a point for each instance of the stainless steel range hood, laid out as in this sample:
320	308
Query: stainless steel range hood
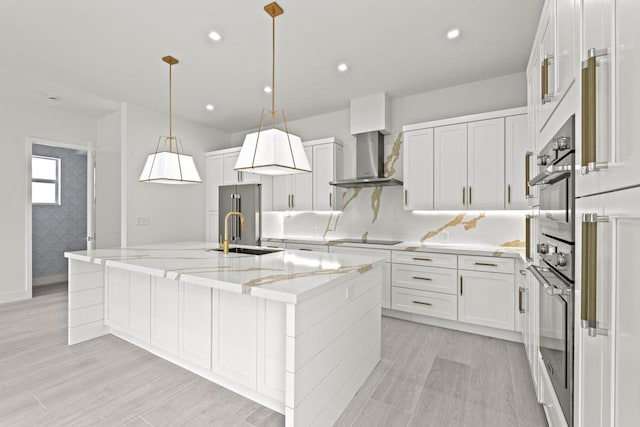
369	143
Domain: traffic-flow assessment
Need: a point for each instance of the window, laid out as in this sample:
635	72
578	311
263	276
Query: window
45	180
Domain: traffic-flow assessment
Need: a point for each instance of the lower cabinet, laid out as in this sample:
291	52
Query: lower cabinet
234	337
128	302
164	315
195	324
423	302
486	299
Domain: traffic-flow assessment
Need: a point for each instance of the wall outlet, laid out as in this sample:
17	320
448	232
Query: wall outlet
143	220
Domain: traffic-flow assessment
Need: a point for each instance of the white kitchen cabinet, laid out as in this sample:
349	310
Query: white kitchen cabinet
311	191
432	279
516	148
607	362
469	165
418	174
566	52
386	269
140	306
195	324
232	176
548	61
327	167
485	164
294	192
450	167
486	299
164	315
533	104
117	298
234	338
434	304
214	234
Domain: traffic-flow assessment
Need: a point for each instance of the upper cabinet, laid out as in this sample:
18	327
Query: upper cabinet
327	167
450	167
485	164
469	165
516	148
555	56
302	191
474	162
418	169
294	191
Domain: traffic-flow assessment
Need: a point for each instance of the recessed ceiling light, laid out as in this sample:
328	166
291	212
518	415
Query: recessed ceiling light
343	67
267	89
453	34
216	37
210	107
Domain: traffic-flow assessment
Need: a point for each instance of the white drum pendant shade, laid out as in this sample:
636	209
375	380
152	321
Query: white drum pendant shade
272	152
167	167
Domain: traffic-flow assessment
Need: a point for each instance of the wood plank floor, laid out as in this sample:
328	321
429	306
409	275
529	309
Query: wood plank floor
428	376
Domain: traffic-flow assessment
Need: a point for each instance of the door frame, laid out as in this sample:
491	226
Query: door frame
91	223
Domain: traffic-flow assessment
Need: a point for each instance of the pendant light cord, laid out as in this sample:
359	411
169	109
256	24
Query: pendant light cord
170	109
273	70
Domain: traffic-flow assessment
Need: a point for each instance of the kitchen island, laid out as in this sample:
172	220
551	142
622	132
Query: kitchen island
295	331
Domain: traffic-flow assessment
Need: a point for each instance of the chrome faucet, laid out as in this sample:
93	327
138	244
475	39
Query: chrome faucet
225	243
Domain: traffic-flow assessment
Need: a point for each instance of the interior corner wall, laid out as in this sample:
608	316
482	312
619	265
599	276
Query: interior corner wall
19	122
107	182
156	213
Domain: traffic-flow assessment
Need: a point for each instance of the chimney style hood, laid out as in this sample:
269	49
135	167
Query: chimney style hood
370	118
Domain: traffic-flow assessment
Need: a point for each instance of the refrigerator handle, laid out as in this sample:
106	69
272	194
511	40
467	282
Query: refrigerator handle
237	219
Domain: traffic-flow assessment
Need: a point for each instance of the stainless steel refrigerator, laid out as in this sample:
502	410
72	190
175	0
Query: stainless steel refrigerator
245	198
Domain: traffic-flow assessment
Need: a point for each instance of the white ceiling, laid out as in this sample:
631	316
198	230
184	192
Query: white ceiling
96	54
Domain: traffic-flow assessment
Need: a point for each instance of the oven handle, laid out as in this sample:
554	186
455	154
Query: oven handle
548	287
551	175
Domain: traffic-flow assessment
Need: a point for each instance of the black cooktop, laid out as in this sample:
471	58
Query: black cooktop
369	241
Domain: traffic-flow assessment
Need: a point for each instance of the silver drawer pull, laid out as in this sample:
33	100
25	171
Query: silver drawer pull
486	264
422	259
422	278
423	303
305	249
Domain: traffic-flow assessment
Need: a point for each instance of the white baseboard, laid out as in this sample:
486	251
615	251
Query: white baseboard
13	296
455	325
49	280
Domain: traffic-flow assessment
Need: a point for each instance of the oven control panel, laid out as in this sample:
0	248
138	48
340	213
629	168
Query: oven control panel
558	255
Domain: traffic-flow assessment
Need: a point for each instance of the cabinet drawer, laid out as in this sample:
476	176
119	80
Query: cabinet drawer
361	251
425	303
487	263
427	259
425	278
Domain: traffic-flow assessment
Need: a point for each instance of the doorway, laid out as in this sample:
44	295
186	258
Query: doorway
61	207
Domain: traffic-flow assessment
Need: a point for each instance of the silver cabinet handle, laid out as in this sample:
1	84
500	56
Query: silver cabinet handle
461	288
422	278
422	303
292	202
469	195
422	259
464	192
305	249
330	200
486	264
406	197
509	193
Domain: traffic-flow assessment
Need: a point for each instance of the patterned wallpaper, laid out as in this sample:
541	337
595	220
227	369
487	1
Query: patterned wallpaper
57	229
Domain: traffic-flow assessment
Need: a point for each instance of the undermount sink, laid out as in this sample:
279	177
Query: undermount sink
249	251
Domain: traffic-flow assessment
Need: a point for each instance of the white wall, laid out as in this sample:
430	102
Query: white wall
18	123
107	211
499	93
175	212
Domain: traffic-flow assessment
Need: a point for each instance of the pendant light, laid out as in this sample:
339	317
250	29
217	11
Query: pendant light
171	165
272	151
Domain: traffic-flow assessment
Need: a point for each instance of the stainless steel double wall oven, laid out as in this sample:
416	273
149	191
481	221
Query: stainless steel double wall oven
555	272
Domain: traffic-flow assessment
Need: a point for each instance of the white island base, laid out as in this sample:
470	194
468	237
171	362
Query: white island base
305	359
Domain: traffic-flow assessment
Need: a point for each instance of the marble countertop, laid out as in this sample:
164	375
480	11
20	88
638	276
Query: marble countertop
286	276
444	247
